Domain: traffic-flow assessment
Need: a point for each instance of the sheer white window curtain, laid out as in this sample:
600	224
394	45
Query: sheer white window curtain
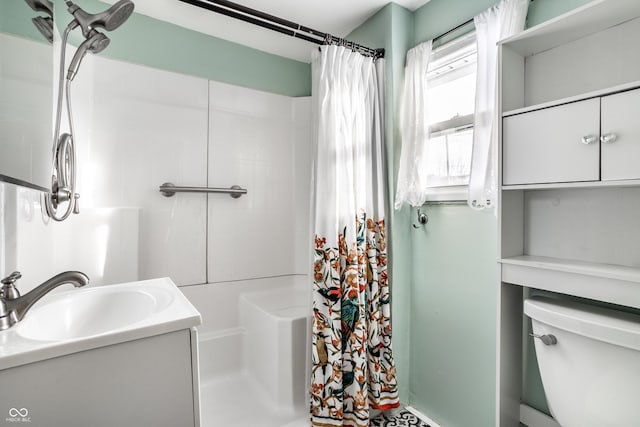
500	21
414	128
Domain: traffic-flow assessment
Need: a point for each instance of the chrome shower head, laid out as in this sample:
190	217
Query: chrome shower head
45	6
110	19
95	43
45	26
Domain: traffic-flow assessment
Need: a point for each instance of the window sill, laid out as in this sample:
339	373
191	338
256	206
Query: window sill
457	193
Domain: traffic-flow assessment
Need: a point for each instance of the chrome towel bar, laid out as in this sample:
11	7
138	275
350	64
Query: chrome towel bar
168	190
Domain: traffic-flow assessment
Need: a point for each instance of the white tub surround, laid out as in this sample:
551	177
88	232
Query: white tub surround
196	133
139	127
260	141
102	242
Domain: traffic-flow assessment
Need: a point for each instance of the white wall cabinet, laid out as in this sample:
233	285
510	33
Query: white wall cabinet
570	177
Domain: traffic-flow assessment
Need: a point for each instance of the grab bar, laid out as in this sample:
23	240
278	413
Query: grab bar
168	190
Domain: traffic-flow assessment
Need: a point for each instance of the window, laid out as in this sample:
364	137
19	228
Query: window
451	80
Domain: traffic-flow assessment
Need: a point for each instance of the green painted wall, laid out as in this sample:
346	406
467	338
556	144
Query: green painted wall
438	16
148	41
543	10
453	317
15	18
392	28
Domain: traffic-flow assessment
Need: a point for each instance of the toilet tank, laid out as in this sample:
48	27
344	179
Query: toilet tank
591	376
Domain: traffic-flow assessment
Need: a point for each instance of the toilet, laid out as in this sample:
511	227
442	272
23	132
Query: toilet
591	370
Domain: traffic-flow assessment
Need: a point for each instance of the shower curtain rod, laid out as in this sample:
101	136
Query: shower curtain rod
283	26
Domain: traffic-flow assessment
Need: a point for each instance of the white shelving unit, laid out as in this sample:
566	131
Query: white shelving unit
570	193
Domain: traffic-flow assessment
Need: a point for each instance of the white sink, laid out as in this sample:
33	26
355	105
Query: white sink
89	312
83	319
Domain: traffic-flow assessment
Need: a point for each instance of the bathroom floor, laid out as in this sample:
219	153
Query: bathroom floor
220	405
400	418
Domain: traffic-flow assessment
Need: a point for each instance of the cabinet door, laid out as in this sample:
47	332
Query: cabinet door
621	136
547	145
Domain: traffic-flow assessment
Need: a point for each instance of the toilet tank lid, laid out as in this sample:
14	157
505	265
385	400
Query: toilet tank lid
603	324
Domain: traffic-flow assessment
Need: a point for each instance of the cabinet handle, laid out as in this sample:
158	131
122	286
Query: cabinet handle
608	138
589	139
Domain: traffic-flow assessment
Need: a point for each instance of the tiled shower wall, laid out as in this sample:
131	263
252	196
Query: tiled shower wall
260	141
138	127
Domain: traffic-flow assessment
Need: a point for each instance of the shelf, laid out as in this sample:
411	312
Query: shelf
609	271
580	22
576	185
573	62
604	282
581	97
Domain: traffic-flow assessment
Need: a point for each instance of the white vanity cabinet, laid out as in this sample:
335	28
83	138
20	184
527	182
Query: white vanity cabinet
589	140
569	198
147	382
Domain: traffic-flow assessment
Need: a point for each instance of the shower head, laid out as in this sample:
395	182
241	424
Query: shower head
45	6
96	42
45	26
110	19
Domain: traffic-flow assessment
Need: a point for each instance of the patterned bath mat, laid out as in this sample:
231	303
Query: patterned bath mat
401	418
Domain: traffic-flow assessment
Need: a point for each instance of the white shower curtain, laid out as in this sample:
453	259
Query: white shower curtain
498	22
352	364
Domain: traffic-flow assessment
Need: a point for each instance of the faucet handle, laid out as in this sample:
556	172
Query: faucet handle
8	290
12	278
76	206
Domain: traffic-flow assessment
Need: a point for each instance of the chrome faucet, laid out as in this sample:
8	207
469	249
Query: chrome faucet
13	307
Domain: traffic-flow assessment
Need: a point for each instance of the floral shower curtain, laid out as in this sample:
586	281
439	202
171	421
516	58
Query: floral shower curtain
352	363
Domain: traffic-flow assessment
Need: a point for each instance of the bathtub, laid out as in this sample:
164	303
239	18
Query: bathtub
260	357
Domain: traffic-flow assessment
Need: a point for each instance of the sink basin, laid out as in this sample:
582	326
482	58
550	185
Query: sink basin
77	320
90	312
